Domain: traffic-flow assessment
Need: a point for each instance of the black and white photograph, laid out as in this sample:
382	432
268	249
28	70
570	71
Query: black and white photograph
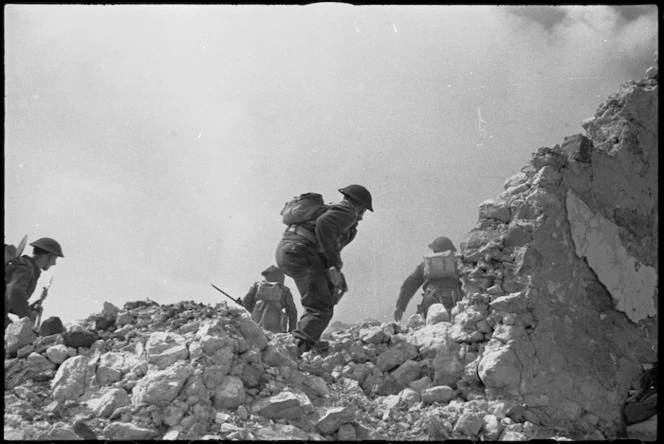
331	221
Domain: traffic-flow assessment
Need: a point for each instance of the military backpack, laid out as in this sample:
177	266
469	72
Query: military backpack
440	265
268	310
303	208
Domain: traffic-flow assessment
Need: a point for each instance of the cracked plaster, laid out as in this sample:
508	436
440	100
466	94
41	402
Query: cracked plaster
631	284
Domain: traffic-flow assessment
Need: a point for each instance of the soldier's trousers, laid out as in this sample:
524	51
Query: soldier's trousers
446	296
304	265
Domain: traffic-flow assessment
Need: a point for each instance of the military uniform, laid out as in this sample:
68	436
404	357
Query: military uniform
21	276
441	290
305	252
274	275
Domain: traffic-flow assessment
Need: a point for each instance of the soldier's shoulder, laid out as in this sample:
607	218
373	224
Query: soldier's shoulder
21	261
340	208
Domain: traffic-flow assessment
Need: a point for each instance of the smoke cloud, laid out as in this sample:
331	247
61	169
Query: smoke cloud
158	144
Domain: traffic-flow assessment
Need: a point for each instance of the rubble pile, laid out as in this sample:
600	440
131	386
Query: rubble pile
561	271
557	324
193	371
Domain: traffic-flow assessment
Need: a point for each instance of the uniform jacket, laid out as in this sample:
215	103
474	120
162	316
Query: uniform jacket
249	302
335	228
416	279
21	278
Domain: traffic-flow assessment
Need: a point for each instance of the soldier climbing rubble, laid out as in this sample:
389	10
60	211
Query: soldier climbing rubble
21	276
310	253
438	275
270	302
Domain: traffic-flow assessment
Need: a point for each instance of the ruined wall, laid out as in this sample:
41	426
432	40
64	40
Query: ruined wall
566	261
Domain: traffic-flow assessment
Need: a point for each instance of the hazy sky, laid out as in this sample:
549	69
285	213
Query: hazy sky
158	144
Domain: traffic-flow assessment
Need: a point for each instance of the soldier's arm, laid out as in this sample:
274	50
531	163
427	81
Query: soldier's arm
329	226
249	299
17	291
291	309
410	286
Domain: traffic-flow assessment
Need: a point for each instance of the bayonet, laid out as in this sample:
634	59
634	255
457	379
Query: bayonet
237	301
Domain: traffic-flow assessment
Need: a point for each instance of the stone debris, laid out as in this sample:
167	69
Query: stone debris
544	344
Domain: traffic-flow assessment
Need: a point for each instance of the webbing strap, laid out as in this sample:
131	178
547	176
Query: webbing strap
302	232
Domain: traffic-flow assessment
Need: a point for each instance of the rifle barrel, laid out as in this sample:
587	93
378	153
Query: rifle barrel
226	294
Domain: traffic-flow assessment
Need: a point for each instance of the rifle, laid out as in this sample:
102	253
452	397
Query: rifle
21	246
237	301
37	305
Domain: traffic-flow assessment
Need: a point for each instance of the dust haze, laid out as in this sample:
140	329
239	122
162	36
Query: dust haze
158	144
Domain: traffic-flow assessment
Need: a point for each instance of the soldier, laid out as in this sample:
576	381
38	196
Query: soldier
271	303
438	274
310	253
22	274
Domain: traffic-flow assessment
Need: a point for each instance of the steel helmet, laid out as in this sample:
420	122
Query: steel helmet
48	244
359	194
271	270
442	243
274	274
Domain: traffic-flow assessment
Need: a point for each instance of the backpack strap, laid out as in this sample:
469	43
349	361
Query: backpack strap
311	237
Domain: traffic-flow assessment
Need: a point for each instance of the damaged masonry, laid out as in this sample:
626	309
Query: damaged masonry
557	323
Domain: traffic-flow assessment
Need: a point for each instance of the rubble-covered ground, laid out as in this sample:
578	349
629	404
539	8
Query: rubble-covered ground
192	371
558	321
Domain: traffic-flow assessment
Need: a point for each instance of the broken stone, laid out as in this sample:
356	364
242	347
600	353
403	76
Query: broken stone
395	356
80	338
164	349
578	147
492	427
437	313
500	368
284	405
51	326
512	303
229	394
406	373
373	335
416	321
421	384
346	432
127	431
38	363
548	177
440	393
511	435
409	396
110	368
57	353
495	209
334	418
59	433
447	368
469	424
252	333
70	379
18	334
161	387
110	401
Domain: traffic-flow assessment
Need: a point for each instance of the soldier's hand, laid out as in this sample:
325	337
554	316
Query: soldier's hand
398	313
334	275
